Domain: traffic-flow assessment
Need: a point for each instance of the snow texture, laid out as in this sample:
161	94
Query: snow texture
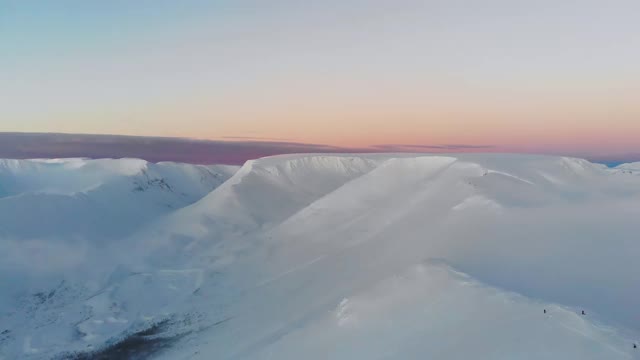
341	256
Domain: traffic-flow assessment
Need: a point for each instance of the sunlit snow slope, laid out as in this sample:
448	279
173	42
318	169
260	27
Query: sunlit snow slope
324	257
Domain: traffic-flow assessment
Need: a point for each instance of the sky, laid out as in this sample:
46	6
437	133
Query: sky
557	77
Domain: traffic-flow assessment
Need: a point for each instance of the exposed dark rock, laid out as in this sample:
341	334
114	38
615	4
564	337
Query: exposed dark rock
136	346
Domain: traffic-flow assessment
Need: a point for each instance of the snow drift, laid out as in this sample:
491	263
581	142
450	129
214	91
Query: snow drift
322	256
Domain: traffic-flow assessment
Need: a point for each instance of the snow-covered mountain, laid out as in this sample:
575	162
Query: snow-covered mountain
630	167
64	216
96	198
320	257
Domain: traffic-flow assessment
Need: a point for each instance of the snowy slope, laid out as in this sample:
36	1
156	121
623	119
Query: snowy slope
59	219
76	197
432	312
346	257
630	167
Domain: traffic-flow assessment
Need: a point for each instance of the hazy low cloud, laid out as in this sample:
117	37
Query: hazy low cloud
47	145
448	147
615	159
260	138
241	149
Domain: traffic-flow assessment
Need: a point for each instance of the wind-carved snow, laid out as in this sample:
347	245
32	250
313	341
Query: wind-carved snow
322	256
258	197
477	201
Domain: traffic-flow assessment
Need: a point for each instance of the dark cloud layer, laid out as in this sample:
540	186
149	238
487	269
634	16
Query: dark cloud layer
49	145
46	145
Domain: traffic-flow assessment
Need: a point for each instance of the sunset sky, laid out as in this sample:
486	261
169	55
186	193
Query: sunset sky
548	76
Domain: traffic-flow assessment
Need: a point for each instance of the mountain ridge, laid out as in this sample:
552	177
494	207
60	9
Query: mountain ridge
285	239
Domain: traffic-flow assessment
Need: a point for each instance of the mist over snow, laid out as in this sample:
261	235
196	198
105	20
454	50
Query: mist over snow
320	256
630	167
